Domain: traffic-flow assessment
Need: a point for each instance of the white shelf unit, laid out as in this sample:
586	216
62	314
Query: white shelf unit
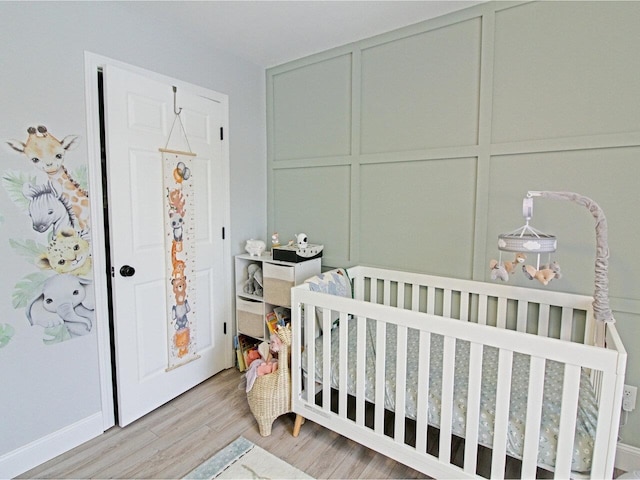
278	278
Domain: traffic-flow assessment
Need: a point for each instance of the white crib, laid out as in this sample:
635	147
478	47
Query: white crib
483	365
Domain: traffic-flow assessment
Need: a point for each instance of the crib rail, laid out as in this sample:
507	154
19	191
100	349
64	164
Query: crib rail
424	306
541	312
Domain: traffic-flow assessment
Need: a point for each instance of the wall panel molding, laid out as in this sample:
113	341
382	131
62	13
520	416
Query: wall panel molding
499	23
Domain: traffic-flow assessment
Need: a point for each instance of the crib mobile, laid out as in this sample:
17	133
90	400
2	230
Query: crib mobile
527	240
524	242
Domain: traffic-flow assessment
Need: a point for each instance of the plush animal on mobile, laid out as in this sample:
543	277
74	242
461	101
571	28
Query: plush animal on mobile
511	266
47	153
498	271
501	270
67	253
544	276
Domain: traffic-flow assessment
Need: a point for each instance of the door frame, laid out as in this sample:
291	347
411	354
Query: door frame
93	63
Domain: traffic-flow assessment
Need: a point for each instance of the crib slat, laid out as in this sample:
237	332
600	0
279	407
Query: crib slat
501	320
590	329
599	465
534	413
424	360
381	334
308	345
446	414
360	371
431	300
473	408
400	300
446	307
401	382
482	309
543	320
566	327
387	291
358	287
568	415
503	391
326	359
373	290
343	356
415	297
464	306
521	322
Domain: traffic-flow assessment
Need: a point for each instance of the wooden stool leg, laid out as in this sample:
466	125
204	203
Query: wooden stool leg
298	423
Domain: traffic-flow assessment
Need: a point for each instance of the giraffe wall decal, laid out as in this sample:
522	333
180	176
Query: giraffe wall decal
46	153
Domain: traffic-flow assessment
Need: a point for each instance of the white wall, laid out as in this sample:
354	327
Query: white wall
49	388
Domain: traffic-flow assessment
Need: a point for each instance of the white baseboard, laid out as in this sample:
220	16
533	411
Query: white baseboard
627	457
29	456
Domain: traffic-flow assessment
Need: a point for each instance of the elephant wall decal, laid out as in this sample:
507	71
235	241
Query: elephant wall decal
65	299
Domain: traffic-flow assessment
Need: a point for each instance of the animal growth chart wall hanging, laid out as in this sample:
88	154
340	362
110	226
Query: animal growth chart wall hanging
180	249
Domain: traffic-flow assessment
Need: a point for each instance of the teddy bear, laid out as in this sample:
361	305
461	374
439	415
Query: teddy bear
179	286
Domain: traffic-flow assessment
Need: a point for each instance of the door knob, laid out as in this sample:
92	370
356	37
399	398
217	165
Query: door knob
127	271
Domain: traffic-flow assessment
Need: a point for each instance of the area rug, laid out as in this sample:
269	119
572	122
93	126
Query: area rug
242	459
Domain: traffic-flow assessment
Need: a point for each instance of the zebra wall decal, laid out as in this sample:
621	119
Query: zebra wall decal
49	208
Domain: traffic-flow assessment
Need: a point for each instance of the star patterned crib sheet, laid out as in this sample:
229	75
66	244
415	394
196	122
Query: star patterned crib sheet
552	398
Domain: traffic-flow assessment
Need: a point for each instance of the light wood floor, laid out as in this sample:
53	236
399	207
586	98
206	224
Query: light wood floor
172	440
177	437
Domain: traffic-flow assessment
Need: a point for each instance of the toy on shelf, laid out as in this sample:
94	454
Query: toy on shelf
253	285
255	247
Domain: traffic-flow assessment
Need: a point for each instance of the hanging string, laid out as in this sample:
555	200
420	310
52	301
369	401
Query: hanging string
177	113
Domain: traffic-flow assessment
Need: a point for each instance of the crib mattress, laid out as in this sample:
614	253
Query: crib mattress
552	398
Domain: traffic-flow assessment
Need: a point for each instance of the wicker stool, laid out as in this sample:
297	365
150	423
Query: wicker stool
270	395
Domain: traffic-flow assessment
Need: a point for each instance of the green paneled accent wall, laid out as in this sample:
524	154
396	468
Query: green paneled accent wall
302	196
412	105
414	149
412	234
312	110
565	69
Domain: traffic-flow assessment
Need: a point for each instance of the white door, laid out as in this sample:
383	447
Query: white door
139	112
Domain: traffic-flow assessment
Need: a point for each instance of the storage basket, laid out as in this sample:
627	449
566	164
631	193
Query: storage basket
250	318
270	395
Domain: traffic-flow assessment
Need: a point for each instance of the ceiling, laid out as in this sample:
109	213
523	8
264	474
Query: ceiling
269	33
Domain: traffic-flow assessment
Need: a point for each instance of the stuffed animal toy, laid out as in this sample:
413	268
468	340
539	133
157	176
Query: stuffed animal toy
275	240
555	266
501	270
498	271
544	276
253	285
511	266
